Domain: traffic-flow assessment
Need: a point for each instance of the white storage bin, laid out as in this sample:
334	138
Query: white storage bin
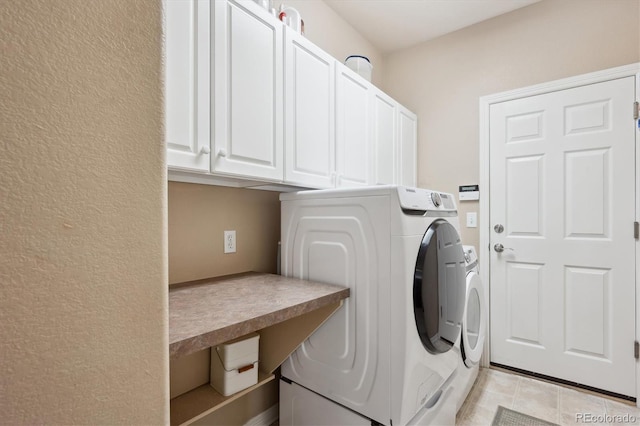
234	365
361	65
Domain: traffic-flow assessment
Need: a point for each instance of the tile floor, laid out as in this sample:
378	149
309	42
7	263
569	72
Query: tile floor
555	403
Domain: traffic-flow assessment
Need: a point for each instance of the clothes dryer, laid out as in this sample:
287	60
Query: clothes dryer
386	355
474	329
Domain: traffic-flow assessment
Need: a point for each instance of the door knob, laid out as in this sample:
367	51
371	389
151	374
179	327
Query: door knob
205	150
498	228
222	152
499	248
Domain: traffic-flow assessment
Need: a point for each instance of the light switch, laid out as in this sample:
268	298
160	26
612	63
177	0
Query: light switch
472	220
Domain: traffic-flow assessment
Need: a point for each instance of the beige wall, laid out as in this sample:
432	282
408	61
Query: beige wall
334	35
441	80
198	217
83	293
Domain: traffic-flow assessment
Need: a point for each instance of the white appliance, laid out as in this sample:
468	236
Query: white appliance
470	344
386	355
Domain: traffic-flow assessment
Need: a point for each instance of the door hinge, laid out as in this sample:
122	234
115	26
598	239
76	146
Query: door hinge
636	230
636	349
636	110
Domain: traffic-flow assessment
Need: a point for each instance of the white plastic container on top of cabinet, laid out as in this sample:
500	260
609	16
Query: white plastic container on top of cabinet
187	76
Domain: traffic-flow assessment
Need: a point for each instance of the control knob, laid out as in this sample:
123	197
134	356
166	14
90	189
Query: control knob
435	198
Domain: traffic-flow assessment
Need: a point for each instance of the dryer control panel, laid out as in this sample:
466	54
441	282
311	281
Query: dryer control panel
425	200
470	257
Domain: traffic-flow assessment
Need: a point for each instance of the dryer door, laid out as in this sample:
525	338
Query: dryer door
474	321
439	287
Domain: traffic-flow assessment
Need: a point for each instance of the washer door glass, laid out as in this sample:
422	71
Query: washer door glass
439	287
474	323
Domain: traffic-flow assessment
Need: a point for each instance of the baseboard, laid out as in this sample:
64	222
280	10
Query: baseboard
266	418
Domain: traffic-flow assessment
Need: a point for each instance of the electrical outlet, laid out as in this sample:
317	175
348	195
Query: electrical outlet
229	241
472	220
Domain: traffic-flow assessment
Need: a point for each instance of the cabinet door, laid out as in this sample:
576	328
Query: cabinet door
407	151
309	113
384	115
352	128
248	79
187	84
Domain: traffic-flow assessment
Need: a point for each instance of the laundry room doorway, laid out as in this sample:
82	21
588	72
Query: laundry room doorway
559	162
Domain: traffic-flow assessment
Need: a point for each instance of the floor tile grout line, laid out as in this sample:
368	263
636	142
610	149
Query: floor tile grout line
516	393
558	415
560	405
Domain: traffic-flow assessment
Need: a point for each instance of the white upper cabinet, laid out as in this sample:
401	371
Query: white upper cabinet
353	134
248	78
383	119
251	102
187	84
407	147
394	141
309	113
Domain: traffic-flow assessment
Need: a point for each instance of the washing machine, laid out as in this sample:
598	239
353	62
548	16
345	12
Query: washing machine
387	355
470	344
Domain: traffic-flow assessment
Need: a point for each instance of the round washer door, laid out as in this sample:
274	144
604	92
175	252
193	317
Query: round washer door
439	287
474	321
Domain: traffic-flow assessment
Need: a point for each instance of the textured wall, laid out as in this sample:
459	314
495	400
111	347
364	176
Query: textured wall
442	80
83	283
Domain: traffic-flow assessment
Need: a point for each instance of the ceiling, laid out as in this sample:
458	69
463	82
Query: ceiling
396	24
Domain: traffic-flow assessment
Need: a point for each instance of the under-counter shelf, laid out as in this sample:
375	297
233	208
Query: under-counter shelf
284	311
204	400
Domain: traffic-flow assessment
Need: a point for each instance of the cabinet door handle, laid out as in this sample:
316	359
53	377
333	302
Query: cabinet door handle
222	152
205	150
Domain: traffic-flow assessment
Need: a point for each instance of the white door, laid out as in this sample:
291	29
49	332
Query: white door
407	147
248	96
383	113
309	112
562	187
187	84
352	128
